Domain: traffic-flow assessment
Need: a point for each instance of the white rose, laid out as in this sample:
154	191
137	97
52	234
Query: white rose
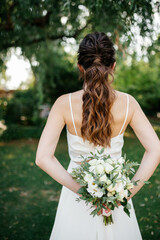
125	193
98	194
118	168
124	179
119	187
99	169
108	181
100	161
122	194
108	167
110	161
121	160
93	162
129	185
111	188
92	168
119	174
103	178
109	194
94	190
88	178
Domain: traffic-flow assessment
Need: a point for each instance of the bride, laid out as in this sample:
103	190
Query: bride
96	115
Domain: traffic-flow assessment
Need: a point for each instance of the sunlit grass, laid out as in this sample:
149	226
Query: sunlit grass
29	197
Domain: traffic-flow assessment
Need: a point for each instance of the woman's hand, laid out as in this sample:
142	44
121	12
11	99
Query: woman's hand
107	210
119	203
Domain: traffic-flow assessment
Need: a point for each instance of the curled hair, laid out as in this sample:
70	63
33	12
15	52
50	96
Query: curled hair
96	54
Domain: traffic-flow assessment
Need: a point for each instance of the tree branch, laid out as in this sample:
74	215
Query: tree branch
50	37
40	22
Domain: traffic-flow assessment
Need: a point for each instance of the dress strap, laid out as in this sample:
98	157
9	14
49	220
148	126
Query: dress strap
126	113
72	114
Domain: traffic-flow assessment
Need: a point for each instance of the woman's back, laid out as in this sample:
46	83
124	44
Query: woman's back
120	111
76	144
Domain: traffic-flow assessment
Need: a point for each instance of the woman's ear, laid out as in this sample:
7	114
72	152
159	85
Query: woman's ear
80	67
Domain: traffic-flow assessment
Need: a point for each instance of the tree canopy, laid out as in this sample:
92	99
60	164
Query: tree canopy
32	21
40	27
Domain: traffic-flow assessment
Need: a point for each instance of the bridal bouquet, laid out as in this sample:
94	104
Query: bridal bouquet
105	182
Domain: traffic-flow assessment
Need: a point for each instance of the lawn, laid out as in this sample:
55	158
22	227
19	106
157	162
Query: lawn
29	197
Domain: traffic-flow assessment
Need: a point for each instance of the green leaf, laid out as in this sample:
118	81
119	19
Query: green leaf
81	190
101	151
126	211
146	182
124	202
135	182
128	205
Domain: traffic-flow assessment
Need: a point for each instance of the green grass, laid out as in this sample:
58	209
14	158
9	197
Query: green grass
29	197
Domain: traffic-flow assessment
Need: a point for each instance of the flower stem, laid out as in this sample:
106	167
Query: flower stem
107	220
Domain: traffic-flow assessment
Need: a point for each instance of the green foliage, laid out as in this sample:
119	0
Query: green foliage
21	108
141	79
55	74
14	131
3	107
23	23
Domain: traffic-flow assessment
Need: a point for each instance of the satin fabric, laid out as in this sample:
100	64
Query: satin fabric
73	220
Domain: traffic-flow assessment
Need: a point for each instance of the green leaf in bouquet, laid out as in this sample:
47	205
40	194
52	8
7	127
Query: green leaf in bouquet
135	182
94	212
146	182
90	199
126	211
124	202
83	184
98	151
129	193
111	207
99	207
101	151
111	176
115	203
82	190
83	198
114	183
115	168
78	199
115	176
104	199
128	205
111	198
120	178
82	156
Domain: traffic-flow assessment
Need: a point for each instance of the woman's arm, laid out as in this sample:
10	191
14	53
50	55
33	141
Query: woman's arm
45	158
150	141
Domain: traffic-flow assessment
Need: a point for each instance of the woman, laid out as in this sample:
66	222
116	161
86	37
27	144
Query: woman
95	116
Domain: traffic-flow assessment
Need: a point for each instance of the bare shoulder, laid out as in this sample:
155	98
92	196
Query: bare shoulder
63	99
133	108
61	103
133	103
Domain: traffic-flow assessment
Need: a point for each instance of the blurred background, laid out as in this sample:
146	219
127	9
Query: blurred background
39	40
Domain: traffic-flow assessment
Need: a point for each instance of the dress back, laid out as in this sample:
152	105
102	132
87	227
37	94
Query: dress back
77	146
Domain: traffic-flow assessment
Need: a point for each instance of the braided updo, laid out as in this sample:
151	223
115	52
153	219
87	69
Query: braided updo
96	54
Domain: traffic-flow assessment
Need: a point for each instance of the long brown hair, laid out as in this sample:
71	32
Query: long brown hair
96	54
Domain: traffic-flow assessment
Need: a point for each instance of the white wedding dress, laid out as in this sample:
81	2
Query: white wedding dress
73	220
